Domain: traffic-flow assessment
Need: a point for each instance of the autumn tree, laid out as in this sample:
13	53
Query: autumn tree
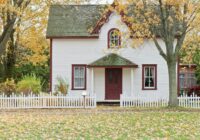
10	15
24	49
167	20
190	52
16	19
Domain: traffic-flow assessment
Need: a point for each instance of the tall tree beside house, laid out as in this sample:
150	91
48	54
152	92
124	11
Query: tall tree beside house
10	15
24	50
23	45
171	21
26	17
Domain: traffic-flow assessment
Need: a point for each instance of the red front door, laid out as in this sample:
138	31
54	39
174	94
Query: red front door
113	82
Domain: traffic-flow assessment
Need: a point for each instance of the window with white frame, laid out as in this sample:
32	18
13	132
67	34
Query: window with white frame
79	77
114	38
149	77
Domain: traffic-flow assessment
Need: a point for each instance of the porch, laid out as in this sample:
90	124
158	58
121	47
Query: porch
110	76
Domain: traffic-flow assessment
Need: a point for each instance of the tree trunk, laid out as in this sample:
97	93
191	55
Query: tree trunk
10	56
173	100
10	61
2	73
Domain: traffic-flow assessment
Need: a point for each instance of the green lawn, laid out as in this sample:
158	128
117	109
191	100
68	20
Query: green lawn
100	124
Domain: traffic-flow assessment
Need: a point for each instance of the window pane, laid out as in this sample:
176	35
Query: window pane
149	76
79	77
146	72
181	80
114	37
146	82
151	71
76	72
151	81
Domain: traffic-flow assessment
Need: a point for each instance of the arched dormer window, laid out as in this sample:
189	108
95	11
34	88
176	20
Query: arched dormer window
114	38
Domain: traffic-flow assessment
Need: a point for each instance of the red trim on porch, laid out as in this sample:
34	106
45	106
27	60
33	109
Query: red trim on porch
85	86
134	66
153	65
51	66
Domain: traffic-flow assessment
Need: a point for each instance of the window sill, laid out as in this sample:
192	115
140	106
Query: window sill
78	89
149	88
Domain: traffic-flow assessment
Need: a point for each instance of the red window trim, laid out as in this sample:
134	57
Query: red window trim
109	36
82	65
151	65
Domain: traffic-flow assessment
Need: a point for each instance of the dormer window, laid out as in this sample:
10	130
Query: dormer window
114	38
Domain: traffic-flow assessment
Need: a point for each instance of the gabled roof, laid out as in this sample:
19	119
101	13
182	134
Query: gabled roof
73	20
85	21
112	60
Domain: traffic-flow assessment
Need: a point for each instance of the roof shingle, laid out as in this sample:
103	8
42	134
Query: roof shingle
73	20
112	60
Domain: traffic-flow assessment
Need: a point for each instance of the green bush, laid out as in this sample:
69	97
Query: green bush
8	87
62	86
29	84
41	71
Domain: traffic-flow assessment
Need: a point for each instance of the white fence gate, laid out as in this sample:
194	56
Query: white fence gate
46	101
137	101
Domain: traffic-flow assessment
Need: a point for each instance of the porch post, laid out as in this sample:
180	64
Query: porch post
92	80
131	81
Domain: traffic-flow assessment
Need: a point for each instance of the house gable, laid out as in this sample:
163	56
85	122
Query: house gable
105	17
114	21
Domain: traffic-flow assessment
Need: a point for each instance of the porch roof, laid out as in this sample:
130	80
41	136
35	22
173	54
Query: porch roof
112	60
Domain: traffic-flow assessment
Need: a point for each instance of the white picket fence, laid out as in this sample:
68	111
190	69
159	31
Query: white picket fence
137	101
65	101
46	101
189	101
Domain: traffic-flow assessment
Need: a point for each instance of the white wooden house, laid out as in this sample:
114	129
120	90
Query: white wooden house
82	42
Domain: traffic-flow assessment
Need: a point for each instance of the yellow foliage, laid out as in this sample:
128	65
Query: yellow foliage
36	47
33	46
186	10
190	47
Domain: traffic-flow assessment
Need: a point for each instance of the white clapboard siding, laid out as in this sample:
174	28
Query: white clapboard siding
46	101
189	101
137	101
